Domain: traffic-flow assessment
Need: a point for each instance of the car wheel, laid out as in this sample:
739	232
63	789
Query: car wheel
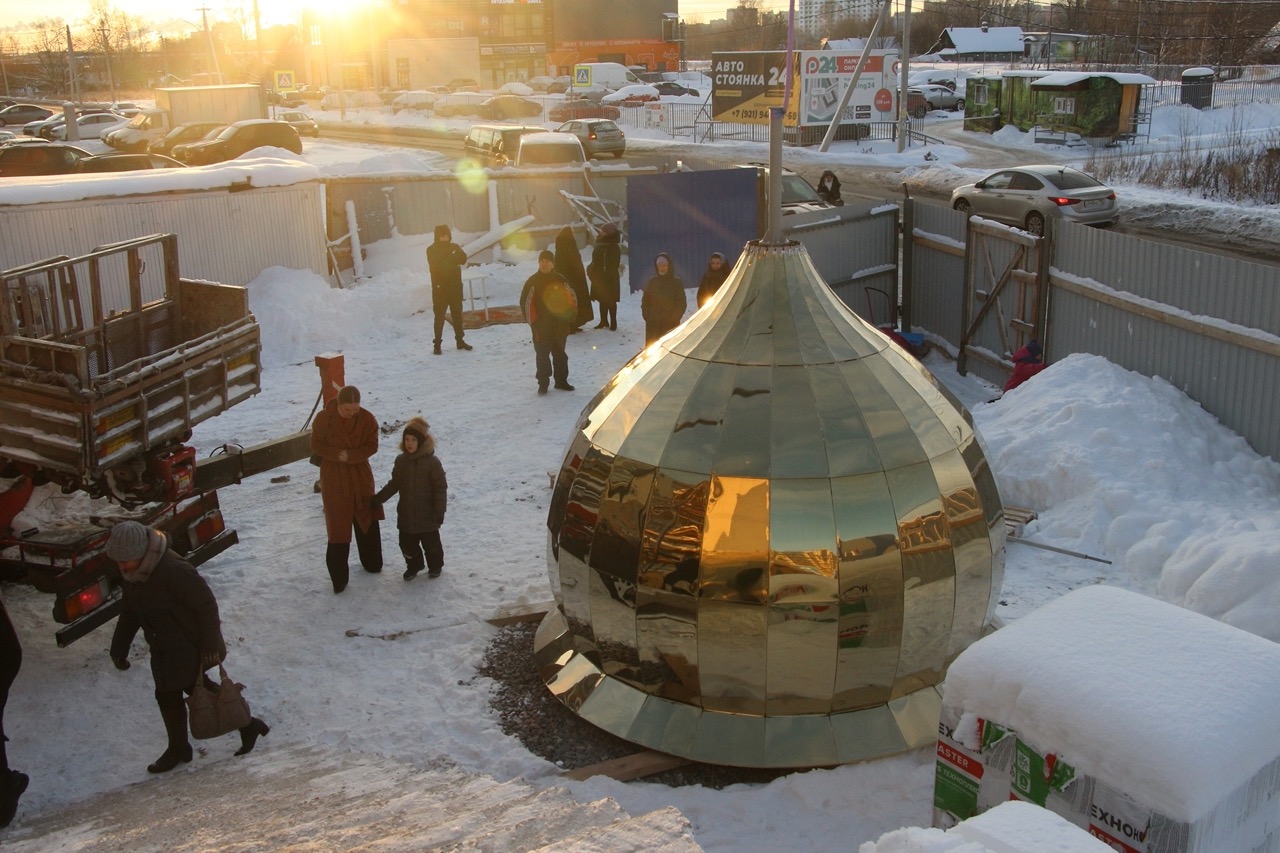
963	206
1035	223
960	105
929	106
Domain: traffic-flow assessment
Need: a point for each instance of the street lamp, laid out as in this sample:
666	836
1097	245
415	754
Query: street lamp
204	16
106	52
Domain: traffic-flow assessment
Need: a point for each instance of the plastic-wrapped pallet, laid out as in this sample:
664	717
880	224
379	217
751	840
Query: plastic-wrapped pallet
1149	726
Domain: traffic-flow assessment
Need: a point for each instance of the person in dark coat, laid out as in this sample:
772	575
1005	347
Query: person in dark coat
717	272
1026	363
829	188
606	275
12	783
664	301
549	306
345	436
444	262
418	477
165	597
569	265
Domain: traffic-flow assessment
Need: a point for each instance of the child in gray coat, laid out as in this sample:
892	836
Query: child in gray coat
419	478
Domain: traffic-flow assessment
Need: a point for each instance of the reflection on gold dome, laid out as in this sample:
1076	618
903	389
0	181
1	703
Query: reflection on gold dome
771	533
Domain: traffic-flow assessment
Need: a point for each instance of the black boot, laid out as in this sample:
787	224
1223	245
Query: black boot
249	735
335	558
173	710
170	759
12	784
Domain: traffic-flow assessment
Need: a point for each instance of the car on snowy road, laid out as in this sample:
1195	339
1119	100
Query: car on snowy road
1028	195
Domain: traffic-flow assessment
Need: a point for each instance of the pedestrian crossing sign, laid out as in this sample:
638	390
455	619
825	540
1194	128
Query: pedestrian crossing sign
284	81
582	75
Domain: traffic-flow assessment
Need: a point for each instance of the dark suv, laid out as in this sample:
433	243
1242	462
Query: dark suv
42	159
237	139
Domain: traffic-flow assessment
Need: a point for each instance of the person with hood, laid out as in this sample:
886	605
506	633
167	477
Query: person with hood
717	272
549	307
1026	363
569	265
664	302
829	188
605	272
418	477
444	262
345	436
165	597
12	783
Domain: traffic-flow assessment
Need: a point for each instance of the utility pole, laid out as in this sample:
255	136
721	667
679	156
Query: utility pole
204	17
106	52
72	75
902	86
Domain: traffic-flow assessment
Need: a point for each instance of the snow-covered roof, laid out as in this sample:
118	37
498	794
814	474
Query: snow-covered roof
989	40
1067	78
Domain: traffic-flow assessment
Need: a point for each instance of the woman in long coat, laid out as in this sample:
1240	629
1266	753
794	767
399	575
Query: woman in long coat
344	437
606	275
664	301
569	265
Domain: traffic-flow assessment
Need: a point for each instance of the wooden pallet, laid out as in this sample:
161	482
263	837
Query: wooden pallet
1016	518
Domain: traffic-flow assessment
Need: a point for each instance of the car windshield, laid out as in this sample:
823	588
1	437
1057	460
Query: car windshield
1071	180
796	190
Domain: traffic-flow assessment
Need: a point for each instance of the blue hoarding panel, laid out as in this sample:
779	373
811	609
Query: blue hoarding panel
688	215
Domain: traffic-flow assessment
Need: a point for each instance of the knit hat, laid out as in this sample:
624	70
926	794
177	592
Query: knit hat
128	541
546	255
417	427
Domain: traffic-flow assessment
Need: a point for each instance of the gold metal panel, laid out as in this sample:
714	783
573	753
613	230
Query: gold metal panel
759	319
848	444
731	665
801	659
795	448
870	591
671	541
942	423
667	644
612	706
575	588
733	739
746	435
735	542
928	577
917	716
803	740
895	441
666	726
615	546
971	549
550	643
613	421
613	618
696	433
575	680
582	504
653	427
929	431
868	734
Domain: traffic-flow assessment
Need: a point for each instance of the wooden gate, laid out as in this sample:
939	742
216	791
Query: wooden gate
1005	296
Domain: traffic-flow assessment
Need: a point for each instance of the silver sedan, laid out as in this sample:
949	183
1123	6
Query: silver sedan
1028	195
939	97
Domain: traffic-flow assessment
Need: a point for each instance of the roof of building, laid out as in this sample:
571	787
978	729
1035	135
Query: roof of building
985	39
1067	78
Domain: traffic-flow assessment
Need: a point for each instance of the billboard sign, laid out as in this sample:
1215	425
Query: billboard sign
824	75
745	84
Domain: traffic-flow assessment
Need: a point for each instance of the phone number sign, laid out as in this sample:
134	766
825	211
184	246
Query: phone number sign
745	85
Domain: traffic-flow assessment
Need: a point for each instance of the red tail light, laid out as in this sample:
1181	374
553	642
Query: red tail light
85	601
205	528
591	135
1061	201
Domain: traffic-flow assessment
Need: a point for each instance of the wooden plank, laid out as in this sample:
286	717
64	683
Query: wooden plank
630	767
521	613
1016	518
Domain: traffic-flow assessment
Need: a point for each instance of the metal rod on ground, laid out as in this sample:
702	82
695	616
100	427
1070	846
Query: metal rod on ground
1057	550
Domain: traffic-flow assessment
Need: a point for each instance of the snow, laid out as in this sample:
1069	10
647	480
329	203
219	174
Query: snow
1012	827
1116	465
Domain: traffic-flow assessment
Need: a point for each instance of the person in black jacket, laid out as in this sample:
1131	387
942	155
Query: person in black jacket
605	272
829	188
444	262
717	272
664	301
569	265
419	478
12	783
166	597
549	307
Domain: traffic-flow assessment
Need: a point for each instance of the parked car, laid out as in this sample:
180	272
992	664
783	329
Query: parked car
239	138
459	104
284	99
91	126
47	158
495	145
509	106
549	149
36	126
20	114
192	132
419	99
1028	195
917	106
126	163
301	122
667	87
560	85
632	96
938	97
582	108
462	84
597	135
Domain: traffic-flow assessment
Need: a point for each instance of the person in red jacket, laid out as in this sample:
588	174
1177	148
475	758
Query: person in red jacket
344	437
1026	363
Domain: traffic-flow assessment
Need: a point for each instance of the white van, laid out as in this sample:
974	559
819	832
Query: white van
601	77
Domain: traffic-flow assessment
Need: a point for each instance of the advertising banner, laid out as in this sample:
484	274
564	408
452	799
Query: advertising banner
824	75
745	84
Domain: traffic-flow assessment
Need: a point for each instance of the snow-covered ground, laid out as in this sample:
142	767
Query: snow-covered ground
1117	466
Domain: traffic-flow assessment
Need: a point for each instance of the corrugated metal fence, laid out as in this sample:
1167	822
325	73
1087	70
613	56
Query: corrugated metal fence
1207	324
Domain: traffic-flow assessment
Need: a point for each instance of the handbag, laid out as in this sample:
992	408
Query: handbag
213	713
